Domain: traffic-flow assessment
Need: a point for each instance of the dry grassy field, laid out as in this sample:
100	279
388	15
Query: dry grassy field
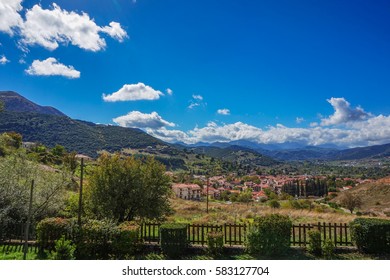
221	212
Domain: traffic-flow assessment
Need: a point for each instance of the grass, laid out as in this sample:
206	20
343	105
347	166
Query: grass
240	254
220	212
15	252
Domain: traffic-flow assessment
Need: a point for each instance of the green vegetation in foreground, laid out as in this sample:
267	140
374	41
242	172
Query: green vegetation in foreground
16	253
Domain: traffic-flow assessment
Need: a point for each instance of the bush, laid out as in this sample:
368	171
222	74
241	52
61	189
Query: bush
328	249
371	235
94	242
274	203
173	239
51	229
315	243
270	235
64	249
126	241
215	242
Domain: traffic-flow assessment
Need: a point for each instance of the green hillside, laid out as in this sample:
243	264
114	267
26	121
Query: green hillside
82	137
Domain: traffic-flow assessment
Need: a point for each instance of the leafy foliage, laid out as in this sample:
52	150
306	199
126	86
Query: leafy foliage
371	235
126	241
125	188
95	239
350	201
173	239
215	242
315	243
328	249
270	235
16	175
64	249
51	229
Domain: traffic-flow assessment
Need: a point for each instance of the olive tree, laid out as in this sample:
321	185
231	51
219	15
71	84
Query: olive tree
350	201
126	188
16	175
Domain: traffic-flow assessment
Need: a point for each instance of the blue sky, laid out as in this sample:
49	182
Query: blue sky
315	72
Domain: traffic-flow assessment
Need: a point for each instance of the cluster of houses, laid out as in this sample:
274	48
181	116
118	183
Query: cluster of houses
218	184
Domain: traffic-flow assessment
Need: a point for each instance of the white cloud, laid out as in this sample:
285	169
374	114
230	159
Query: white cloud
3	60
52	27
171	136
51	67
360	129
196	101
141	120
169	91
299	120
193	105
116	31
197	97
10	18
223	112
343	113
133	92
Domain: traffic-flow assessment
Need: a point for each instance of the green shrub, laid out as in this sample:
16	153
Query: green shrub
315	243
371	235
274	203
215	242
95	240
173	239
126	241
328	249
269	235
51	229
64	249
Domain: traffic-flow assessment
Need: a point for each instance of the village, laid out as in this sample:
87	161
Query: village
261	187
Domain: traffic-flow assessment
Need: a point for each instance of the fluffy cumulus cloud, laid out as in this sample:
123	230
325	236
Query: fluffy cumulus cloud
3	60
343	113
223	112
359	129
52	27
140	120
51	67
10	18
133	92
170	135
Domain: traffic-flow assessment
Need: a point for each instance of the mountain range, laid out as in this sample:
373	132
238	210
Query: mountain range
49	126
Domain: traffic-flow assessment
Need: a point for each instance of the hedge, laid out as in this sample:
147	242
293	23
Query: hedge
269	235
371	235
126	241
215	242
51	229
173	239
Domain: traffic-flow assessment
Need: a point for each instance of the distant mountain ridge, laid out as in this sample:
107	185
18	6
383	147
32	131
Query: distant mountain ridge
302	152
14	102
49	126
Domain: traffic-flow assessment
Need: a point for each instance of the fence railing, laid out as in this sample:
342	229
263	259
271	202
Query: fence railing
339	233
234	234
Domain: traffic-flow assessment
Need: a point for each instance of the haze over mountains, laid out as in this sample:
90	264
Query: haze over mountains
49	126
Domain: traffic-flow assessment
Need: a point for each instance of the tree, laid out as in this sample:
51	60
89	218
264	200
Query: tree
245	196
126	188
16	174
58	150
350	201
274	204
